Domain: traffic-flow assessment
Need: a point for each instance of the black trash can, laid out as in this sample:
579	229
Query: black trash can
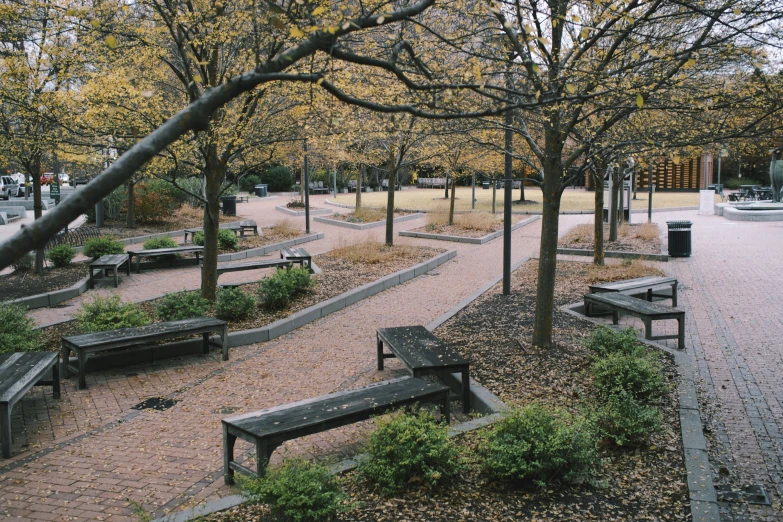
679	238
229	205
485	185
261	190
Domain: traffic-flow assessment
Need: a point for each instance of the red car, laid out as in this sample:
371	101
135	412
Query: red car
47	178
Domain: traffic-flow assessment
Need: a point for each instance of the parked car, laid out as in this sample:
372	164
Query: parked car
20	180
79	179
47	178
64	178
8	187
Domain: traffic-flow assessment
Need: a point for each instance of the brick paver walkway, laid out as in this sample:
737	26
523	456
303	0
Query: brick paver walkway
732	294
87	456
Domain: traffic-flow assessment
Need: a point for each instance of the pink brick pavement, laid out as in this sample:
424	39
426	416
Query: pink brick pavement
86	456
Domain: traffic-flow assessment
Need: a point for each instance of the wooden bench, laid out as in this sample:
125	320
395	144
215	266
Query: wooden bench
194	249
239	228
254	265
124	338
644	310
268	429
297	255
642	284
106	263
18	373
423	354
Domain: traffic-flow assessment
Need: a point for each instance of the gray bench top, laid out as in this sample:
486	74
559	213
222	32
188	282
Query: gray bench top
419	349
141	334
110	260
633	304
19	370
322	410
162	251
633	284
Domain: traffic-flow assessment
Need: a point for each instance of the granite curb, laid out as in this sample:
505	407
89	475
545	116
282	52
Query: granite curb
580	212
365	226
469	240
615	254
313	212
703	499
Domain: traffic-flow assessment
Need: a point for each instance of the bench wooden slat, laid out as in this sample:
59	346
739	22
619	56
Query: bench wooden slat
634	304
635	286
254	265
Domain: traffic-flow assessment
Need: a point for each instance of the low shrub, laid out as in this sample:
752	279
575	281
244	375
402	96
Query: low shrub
24	263
233	303
182	305
297	490
626	421
109	313
295	203
637	374
154	243
249	182
277	290
103	246
61	255
408	447
370	252
279	179
17	330
604	341
154	200
227	240
538	445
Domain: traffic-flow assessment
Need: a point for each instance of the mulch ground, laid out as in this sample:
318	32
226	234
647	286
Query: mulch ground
646	483
627	241
351	217
457	230
179	220
338	276
25	284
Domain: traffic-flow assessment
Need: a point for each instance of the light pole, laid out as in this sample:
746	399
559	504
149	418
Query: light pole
306	187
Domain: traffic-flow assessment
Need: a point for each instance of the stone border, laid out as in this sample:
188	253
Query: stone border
365	226
58	296
313	212
470	240
610	253
738	214
703	500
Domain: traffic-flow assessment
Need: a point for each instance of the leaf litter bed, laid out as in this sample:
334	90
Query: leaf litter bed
27	283
640	239
468	229
645	483
338	275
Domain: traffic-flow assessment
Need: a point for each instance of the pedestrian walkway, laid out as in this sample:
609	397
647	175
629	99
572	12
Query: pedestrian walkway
88	455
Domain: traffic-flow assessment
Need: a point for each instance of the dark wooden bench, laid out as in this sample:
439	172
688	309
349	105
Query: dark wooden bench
109	262
195	249
644	310
239	228
297	255
639	285
125	338
18	373
254	265
268	429
423	354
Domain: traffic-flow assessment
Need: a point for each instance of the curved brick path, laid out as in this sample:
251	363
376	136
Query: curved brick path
86	456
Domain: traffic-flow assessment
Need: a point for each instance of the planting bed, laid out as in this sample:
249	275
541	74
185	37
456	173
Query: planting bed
639	239
25	284
470	224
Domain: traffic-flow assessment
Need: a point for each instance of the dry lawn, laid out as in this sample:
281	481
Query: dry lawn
644	237
369	215
573	199
370	252
480	221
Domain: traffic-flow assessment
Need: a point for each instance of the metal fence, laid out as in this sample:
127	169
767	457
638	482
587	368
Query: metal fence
74	237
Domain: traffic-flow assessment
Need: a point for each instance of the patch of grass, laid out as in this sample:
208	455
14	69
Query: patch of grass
285	228
368	215
370	252
481	221
609	273
646	231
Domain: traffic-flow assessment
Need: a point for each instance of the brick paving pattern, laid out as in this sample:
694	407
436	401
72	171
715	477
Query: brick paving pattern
87	456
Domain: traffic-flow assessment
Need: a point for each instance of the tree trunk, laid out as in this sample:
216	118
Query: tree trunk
494	196
598	230
446	192
390	198
359	178
129	216
35	172
215	174
614	204
453	198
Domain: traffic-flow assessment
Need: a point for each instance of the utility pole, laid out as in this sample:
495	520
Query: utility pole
306	187
509	144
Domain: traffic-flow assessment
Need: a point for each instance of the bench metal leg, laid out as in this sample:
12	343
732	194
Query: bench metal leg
224	337
615	317
649	295
466	390
5	429
445	409
127	266
228	456
82	367
65	353
674	294
380	352
138	264
681	332
116	279
56	380
262	457
647	329
91	282
205	344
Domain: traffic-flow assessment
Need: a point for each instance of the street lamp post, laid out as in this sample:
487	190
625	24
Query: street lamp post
306	189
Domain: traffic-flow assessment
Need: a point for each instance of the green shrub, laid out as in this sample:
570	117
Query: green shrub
626	421
182	305
538	445
227	240
24	263
154	243
639	375
102	246
113	205
297	490
155	200
407	446
109	313
61	255
604	341
279	179
249	182
233	303
17	330
277	290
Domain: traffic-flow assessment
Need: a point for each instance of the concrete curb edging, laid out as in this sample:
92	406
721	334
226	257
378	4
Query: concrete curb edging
264	250
364	226
579	212
52	298
703	500
610	253
313	212
470	240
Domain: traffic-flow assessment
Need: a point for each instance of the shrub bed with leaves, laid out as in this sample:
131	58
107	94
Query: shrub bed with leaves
155	243
227	240
103	246
61	255
233	303
109	313
17	330
182	305
277	290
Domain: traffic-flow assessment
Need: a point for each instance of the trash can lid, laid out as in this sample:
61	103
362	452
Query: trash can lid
679	224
